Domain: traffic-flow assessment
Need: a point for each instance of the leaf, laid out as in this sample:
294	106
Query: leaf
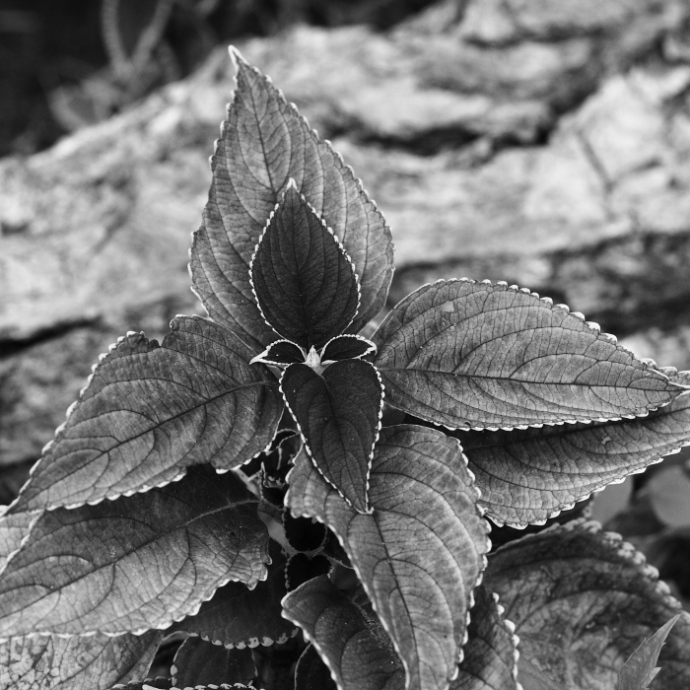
482	356
490	653
311	673
13	530
640	669
349	638
347	347
43	662
280	354
264	143
151	411
239	617
582	601
304	534
189	538
419	554
339	416
200	663
529	475
304	282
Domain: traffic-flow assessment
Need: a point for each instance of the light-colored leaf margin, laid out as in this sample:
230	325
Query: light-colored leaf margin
448	354
457	556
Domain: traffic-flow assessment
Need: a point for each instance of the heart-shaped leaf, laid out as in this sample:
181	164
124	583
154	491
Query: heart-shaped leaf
304	282
311	673
476	355
347	347
280	354
264	143
349	638
151	411
339	416
582	601
198	662
420	552
49	662
529	475
191	537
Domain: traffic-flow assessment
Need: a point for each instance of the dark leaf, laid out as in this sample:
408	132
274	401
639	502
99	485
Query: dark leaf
420	553
265	143
301	568
143	561
311	673
475	355
158	683
151	411
281	353
339	416
347	347
304	282
304	534
198	662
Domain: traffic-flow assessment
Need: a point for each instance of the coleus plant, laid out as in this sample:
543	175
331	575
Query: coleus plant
292	498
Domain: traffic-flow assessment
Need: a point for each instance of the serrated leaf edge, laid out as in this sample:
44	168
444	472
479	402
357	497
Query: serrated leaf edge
370	350
510	627
260	358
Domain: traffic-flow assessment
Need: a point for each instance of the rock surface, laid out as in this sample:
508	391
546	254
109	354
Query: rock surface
544	143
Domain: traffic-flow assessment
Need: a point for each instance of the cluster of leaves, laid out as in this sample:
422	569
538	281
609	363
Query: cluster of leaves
249	477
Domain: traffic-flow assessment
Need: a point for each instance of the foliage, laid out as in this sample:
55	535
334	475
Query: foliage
246	479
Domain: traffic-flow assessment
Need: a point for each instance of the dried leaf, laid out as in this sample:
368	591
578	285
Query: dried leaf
201	663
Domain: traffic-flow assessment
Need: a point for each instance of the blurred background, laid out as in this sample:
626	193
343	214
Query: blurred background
542	142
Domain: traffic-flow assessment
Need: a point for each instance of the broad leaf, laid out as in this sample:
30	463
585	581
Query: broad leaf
144	560
311	673
349	638
14	529
264	143
151	411
200	663
281	353
304	282
158	683
490	654
49	662
347	347
582	601
476	355
339	416
529	475
240	617
420	553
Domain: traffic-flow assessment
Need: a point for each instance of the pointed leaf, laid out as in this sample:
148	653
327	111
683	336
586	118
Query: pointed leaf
264	143
347	347
476	355
490	654
349	638
311	673
13	530
281	353
420	553
151	411
240	617
339	416
529	475
304	282
201	663
188	538
49	662
582	601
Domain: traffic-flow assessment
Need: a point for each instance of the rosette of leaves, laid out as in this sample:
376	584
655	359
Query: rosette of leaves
136	520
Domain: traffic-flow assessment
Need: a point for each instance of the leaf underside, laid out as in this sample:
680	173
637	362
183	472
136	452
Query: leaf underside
264	143
582	601
338	414
421	551
201	663
151	411
189	537
475	355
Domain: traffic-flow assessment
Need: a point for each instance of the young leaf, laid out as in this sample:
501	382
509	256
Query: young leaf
311	673
641	669
350	639
347	347
305	284
476	355
421	551
191	536
529	475
281	353
151	411
264	143
582	601
339	416
49	662
199	663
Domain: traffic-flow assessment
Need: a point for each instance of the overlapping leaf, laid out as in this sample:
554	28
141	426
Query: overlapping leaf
305	284
339	414
349	638
582	601
476	355
201	663
49	662
526	476
136	563
264	143
421	551
311	673
14	529
151	411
